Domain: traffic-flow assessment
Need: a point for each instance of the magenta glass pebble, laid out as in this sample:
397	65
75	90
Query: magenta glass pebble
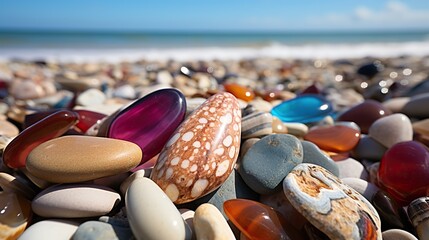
150	121
16	152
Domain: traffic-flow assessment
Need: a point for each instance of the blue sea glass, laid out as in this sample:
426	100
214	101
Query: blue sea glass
304	109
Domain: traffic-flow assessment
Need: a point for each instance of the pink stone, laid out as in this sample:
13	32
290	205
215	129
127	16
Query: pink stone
150	121
54	125
202	152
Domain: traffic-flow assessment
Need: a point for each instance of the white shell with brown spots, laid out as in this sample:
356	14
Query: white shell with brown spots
202	152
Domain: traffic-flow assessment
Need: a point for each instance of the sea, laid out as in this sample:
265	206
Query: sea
78	46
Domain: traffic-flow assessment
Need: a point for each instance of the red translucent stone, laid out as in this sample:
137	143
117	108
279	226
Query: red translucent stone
239	91
150	121
87	119
33	118
255	220
404	172
54	125
364	114
312	89
336	138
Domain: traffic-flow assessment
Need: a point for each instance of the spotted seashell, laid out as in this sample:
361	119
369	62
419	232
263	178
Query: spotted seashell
202	152
331	206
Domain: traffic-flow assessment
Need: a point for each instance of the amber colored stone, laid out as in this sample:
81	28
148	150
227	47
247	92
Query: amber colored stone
336	138
255	220
239	91
55	125
364	114
404	172
15	213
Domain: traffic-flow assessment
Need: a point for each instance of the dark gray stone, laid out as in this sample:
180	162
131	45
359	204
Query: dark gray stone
417	106
313	154
368	149
269	160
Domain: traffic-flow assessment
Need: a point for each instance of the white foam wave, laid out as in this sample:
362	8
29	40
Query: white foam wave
320	51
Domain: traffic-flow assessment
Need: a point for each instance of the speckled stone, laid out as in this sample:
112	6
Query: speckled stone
331	206
75	201
350	168
391	129
281	152
210	224
96	230
313	155
398	234
202	151
369	149
367	189
52	160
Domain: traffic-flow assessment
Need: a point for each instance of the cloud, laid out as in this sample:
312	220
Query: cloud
393	15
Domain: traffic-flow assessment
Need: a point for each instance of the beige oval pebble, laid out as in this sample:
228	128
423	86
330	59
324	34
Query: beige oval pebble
80	158
398	234
151	213
8	129
391	129
296	129
75	201
50	230
210	224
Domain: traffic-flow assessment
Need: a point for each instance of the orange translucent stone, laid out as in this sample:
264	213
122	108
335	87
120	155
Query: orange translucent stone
336	138
255	220
240	91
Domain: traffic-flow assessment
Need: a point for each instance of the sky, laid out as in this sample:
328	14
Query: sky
214	15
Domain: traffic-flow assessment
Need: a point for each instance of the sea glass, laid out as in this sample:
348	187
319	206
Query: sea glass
304	109
87	119
364	114
240	91
337	138
54	125
255	220
150	121
404	172
15	212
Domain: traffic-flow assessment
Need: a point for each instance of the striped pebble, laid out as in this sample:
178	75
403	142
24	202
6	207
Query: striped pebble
202	152
256	124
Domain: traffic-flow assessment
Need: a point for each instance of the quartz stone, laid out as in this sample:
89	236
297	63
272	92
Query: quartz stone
54	125
364	114
87	119
256	220
202	152
304	109
15	213
150	121
404	171
337	138
240	91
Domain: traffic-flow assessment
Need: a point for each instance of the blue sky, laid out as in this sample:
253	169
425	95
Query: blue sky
214	15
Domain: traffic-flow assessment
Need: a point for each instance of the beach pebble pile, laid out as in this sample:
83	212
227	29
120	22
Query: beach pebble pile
234	149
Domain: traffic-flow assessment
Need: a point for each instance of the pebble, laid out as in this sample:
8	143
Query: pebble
277	151
137	174
395	105
369	149
26	89
56	160
8	129
245	146
50	230
240	91
398	234
391	214
366	189
261	105
14	216
421	127
210	224
75	201
391	129
202	152
9	183
313	155
91	97
337	138
296	129
331	206
151	213
96	230
256	124
278	126
417	106
418	212
125	91
350	168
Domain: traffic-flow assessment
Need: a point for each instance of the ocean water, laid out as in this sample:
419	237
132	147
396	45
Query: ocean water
118	46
